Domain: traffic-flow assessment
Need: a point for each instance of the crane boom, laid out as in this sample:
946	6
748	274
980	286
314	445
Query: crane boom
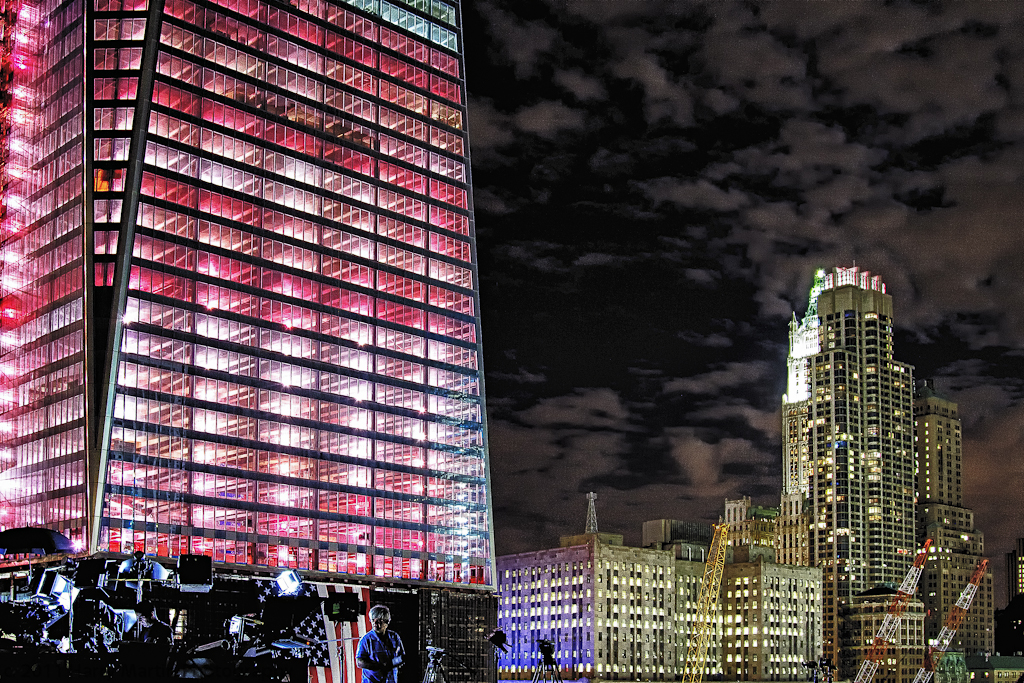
707	605
955	617
888	632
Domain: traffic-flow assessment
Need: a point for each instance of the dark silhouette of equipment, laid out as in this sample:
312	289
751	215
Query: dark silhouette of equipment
498	639
195	573
344	607
548	670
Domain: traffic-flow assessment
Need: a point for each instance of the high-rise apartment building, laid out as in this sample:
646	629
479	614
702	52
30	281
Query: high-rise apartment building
957	546
1015	571
239	307
848	449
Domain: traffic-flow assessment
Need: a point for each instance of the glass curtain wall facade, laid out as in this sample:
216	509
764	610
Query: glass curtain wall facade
848	450
281	313
42	267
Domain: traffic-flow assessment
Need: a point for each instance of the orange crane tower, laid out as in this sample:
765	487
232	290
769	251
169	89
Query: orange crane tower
707	605
953	620
888	632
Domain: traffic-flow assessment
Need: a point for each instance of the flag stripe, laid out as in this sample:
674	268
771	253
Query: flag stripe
343	639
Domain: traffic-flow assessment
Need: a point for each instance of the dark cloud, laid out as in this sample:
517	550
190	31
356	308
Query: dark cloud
656	183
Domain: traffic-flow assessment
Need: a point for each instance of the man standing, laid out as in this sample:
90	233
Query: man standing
380	651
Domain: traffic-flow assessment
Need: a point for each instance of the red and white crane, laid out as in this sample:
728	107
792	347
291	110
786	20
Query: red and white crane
888	632
953	620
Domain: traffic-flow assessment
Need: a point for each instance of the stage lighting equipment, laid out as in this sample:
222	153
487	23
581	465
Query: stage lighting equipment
498	639
344	607
91	573
195	573
138	569
120	620
289	582
54	589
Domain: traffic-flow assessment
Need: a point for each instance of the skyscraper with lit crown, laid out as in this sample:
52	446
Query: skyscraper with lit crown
239	309
848	459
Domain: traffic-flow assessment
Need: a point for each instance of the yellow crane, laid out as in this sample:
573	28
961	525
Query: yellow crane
707	606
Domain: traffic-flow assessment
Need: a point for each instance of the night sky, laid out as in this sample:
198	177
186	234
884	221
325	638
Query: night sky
655	184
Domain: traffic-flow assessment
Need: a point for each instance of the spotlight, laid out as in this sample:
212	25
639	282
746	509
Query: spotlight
138	569
344	607
498	639
120	621
289	582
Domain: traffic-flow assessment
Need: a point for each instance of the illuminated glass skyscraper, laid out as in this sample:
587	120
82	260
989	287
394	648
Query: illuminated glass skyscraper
848	433
240	311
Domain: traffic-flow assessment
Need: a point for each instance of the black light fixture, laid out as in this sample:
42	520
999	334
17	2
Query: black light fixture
90	573
344	607
498	639
195	573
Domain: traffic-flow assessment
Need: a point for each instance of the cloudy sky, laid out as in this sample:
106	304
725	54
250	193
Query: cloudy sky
655	183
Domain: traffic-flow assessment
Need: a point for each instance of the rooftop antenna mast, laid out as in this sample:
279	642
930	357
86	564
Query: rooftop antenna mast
591	513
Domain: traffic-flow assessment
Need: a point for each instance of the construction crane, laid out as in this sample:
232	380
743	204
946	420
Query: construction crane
707	605
888	632
953	620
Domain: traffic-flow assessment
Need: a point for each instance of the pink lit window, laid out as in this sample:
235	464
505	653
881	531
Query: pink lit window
346	300
446	89
349	158
413	75
400	314
449	220
407	288
449	327
448	193
105	274
451	273
405	98
399	203
449	246
404	178
410	234
401	258
354	50
452	301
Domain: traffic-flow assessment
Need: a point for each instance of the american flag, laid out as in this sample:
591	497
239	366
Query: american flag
342	639
332	657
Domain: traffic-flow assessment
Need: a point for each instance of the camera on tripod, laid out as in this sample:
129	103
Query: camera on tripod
547	651
548	671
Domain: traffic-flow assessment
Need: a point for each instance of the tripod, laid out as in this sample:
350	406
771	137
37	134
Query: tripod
435	672
548	671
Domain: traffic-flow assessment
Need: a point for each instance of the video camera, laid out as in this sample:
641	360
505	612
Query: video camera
547	651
